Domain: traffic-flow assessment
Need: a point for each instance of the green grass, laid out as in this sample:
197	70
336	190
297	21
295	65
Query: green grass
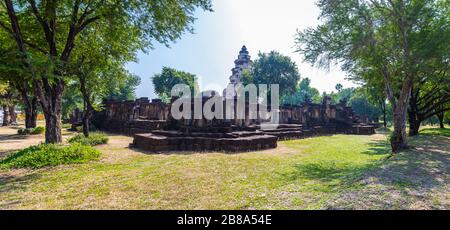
49	155
95	138
435	132
340	171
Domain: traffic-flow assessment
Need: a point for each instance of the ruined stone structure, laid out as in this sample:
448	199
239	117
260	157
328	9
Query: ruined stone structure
132	117
155	129
194	134
243	62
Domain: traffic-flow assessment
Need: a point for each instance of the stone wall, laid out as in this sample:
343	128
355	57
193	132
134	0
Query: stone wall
142	116
132	117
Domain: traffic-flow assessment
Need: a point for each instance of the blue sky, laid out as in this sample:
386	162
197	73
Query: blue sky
262	25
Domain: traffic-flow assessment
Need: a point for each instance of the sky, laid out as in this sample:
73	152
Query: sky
261	25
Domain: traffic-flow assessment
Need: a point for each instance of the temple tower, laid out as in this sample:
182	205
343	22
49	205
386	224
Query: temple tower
242	63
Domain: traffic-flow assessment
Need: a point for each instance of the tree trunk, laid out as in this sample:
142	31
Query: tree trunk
12	114
86	124
88	109
384	114
398	139
31	113
51	103
414	123
441	120
5	115
30	103
53	127
414	126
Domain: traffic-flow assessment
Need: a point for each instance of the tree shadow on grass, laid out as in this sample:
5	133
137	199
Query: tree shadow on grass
406	180
9	137
378	147
10	183
415	179
345	171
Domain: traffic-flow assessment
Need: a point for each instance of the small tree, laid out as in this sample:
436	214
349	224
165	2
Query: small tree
304	93
274	68
168	78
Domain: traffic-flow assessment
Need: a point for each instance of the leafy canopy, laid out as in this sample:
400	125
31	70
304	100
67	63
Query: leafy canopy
168	78
274	68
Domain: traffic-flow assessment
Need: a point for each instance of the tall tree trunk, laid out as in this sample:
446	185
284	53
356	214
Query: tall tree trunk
86	118
88	109
5	115
51	103
383	108
31	113
30	105
398	140
53	127
414	126
12	114
441	120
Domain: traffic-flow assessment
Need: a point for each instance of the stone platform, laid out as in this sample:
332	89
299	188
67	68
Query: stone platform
160	141
362	130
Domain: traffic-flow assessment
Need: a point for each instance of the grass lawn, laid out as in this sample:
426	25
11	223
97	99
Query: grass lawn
329	172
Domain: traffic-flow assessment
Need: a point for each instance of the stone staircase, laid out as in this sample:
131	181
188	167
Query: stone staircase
285	131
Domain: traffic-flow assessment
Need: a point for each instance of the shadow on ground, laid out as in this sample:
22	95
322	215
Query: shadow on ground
416	179
11	182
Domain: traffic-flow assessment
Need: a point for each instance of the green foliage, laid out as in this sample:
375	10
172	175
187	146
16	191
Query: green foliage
95	138
71	99
66	125
31	131
274	68
362	106
50	155
303	93
121	86
55	42
393	42
168	78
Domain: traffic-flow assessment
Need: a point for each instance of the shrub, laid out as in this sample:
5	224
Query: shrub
95	138
31	131
23	131
66	126
38	130
42	155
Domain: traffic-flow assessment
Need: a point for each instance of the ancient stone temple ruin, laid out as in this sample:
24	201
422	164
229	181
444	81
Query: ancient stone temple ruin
154	128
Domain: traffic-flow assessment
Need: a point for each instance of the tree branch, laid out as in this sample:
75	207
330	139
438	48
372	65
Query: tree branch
49	34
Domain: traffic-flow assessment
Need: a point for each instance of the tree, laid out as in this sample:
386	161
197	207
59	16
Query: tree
11	70
361	104
389	39
304	93
377	97
96	64
47	32
274	68
120	86
168	78
430	96
8	103
344	95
